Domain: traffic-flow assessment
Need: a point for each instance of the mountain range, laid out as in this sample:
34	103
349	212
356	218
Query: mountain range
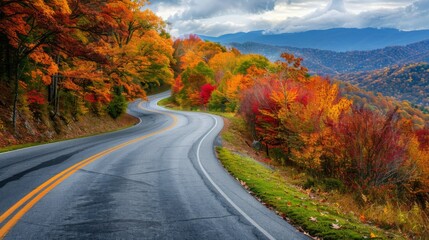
336	39
326	62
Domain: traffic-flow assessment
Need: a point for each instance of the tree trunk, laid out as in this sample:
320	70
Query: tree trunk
54	98
17	76
57	106
57	100
268	150
15	98
51	91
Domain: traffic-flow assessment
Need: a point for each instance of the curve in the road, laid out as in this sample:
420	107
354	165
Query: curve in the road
27	202
159	179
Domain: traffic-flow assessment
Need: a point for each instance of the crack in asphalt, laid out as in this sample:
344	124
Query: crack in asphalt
109	226
154	171
37	224
121	221
116	176
202	218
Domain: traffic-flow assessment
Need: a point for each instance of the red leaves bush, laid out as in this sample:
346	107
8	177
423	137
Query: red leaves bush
36	97
372	148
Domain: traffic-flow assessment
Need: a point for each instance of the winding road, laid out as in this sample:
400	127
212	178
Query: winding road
157	180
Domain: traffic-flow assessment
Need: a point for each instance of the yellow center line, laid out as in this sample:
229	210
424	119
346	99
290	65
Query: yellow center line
50	184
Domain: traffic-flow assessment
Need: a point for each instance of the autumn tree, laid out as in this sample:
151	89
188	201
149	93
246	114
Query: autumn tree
190	51
36	31
193	79
82	49
256	106
223	64
418	152
28	27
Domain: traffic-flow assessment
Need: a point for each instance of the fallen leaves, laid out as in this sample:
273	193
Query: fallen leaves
364	198
244	184
362	218
335	226
371	235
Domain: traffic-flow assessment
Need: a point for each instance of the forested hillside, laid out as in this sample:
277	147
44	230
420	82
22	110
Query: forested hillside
375	145
61	60
329	62
406	82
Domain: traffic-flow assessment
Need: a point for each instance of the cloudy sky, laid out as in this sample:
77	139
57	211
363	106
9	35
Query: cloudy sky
217	17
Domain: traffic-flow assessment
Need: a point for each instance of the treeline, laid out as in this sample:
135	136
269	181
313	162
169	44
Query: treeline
375	145
67	58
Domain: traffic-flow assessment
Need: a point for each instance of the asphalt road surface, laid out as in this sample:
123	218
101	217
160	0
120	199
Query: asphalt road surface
157	180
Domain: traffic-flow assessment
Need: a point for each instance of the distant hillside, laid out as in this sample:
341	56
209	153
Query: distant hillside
332	63
337	39
408	82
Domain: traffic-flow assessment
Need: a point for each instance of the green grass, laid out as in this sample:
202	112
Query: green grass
167	103
297	206
15	147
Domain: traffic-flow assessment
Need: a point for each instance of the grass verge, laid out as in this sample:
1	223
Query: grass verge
167	103
318	219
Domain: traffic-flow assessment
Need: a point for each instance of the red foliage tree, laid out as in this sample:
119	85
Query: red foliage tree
206	92
259	110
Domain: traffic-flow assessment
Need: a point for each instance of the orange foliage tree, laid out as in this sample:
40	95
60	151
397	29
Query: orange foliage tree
83	48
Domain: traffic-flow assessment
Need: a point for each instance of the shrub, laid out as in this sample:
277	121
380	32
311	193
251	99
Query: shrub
310	183
332	184
117	106
217	102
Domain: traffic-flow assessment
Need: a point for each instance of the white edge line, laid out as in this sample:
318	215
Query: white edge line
262	230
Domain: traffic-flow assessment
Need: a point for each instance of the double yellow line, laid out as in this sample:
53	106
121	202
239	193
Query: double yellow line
20	208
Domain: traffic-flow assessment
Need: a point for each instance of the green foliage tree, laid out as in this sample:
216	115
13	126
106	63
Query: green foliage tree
248	61
118	105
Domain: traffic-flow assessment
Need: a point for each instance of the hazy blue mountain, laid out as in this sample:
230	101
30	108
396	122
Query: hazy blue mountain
337	39
326	62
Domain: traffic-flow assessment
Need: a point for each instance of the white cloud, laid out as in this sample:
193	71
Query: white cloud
202	9
217	17
336	5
